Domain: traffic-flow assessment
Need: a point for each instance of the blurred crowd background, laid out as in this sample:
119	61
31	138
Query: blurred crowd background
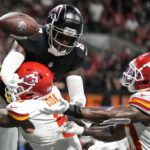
115	31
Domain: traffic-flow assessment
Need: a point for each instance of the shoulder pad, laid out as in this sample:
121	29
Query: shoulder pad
21	110
141	100
16	111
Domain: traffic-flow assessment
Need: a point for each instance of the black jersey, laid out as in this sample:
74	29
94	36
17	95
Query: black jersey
36	49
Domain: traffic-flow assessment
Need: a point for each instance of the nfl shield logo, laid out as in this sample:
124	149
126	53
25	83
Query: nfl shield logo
50	65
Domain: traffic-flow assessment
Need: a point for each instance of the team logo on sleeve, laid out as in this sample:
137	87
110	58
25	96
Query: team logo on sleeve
54	13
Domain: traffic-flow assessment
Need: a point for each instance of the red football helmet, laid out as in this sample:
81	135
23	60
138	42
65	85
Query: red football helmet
37	80
137	75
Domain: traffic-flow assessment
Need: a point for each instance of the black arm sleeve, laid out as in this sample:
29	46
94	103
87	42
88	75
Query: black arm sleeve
74	111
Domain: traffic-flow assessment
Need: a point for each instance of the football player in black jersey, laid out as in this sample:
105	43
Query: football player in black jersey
56	46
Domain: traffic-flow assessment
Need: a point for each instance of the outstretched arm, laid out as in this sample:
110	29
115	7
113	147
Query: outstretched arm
98	115
129	113
103	133
107	134
11	63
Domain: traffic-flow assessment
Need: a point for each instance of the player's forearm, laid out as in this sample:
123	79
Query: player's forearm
76	90
99	115
106	134
87	113
103	135
12	62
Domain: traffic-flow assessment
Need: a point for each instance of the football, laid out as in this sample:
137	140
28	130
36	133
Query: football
18	25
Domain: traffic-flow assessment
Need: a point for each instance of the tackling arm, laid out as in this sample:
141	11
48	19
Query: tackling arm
98	115
107	134
103	133
12	62
9	66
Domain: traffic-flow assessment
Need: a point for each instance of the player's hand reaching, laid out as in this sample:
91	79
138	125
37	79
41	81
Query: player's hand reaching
73	128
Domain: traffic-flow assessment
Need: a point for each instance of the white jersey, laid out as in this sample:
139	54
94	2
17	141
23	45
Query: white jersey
47	127
139	134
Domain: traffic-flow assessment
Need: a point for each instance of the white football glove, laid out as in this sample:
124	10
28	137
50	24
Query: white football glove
59	107
12	85
73	128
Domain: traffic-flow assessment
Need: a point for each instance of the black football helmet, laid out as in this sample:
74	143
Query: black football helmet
64	28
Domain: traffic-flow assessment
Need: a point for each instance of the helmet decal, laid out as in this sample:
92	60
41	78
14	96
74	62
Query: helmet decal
54	13
31	79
